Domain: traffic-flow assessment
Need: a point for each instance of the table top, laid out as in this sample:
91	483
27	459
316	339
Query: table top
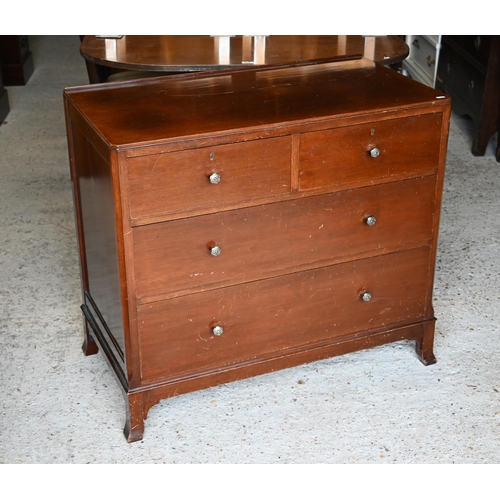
183	53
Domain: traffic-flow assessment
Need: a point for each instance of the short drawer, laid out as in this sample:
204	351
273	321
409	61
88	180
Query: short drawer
271	317
180	181
259	242
365	154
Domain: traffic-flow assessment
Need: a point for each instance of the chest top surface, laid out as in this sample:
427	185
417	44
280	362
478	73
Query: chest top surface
198	105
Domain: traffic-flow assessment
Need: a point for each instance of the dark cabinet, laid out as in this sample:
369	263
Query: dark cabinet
469	71
4	102
17	59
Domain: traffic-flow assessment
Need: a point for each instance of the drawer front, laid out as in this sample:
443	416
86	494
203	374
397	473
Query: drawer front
342	157
179	181
262	241
272	317
424	55
477	47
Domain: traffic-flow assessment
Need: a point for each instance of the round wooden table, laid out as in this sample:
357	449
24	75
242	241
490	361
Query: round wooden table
184	53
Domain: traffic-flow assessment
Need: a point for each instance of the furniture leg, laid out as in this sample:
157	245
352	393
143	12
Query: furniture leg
89	346
425	345
480	143
134	426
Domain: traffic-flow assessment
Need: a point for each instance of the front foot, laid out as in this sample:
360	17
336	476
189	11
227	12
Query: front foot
133	433
134	427
426	357
425	345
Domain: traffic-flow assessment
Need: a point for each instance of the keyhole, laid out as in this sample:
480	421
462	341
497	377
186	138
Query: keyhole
372	131
212	156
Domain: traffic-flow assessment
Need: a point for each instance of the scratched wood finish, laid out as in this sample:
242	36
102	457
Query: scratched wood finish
292	147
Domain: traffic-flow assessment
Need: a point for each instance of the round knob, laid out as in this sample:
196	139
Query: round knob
217	330
215	250
374	152
371	220
214	178
366	296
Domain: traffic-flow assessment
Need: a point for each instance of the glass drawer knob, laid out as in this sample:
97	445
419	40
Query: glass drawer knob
214	178
217	330
374	152
371	220
366	296
215	251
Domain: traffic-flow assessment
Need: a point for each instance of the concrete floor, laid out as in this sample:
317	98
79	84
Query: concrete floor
374	407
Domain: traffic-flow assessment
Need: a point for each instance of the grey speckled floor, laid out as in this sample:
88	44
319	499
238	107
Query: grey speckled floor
376	406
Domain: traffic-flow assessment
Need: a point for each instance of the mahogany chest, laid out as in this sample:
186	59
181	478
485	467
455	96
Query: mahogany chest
235	222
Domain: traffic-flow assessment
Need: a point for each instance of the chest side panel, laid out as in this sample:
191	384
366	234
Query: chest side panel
98	236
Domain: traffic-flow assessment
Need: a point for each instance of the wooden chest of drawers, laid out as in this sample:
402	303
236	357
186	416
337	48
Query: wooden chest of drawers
236	222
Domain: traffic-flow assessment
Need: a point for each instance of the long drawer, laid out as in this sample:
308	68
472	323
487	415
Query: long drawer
363	154
271	317
208	177
262	241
